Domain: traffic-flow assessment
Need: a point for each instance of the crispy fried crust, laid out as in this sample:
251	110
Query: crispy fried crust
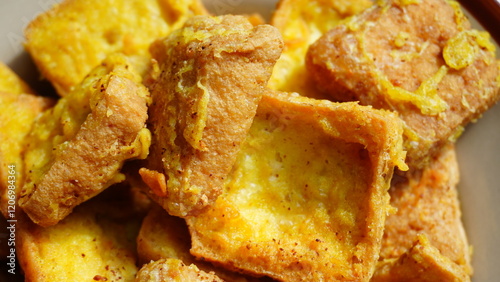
302	22
307	196
88	159
427	203
72	38
94	243
419	58
173	270
212	73
421	263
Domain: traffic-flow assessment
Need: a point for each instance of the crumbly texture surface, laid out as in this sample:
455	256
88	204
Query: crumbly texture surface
421	263
95	243
76	150
73	37
173	270
418	58
307	196
427	203
211	75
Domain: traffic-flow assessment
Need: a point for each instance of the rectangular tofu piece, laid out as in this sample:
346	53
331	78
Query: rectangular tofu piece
211	75
174	270
20	107
418	58
95	243
75	36
307	196
302	22
421	263
426	202
77	149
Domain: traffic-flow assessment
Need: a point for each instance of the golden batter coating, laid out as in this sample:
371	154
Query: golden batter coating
418	58
20	107
211	76
77	149
94	243
307	197
421	263
73	37
174	270
427	203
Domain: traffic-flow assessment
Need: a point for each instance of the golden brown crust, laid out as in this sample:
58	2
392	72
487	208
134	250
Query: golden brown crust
212	74
307	196
421	263
173	270
72	38
391	57
89	162
427	203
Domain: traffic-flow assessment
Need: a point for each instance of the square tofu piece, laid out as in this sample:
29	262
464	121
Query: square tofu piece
77	148
212	74
95	243
426	202
307	197
418	58
20	107
421	263
72	38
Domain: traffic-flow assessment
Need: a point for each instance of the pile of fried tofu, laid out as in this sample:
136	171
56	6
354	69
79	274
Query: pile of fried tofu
186	146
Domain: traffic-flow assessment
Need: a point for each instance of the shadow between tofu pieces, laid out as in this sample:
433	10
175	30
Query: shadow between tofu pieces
211	75
77	148
96	242
308	194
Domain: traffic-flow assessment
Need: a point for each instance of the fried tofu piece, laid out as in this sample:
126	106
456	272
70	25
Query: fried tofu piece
418	58
77	148
94	243
164	236
20	107
302	22
72	38
173	270
211	76
427	203
307	196
421	263
10	82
